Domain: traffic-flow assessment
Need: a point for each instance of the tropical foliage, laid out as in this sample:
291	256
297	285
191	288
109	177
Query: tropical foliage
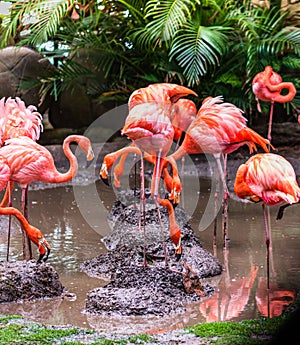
113	47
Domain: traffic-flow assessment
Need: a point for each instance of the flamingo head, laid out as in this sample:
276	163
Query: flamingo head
38	239
85	144
159	93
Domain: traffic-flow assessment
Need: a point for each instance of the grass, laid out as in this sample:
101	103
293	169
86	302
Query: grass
15	330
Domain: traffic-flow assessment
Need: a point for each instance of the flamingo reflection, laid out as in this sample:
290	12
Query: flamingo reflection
231	297
279	299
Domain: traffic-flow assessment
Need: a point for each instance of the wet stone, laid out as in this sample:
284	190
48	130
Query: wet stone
134	289
28	280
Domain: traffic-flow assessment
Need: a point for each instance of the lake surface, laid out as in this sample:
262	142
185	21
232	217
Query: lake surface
74	220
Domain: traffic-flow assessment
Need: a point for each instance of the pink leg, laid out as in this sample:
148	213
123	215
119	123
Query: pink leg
24	205
270	122
224	202
155	198
268	255
143	207
9	221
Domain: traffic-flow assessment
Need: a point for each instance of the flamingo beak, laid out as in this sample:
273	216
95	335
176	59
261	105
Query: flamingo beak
103	174
90	155
178	250
178	253
44	248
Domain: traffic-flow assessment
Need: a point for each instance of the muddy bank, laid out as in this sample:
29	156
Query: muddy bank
28	280
154	290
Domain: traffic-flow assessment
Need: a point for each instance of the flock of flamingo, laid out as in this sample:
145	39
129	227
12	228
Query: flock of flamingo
159	114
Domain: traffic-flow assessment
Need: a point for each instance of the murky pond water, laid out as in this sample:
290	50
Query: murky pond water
74	224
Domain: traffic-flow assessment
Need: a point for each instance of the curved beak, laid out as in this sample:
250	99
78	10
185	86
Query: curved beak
44	248
90	155
178	253
104	174
178	250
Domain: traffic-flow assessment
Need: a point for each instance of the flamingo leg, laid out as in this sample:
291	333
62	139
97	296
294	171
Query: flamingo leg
24	205
9	190
224	202
156	201
143	207
270	123
268	255
216	208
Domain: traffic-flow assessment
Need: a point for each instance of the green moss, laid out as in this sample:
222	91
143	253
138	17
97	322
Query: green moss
30	333
248	332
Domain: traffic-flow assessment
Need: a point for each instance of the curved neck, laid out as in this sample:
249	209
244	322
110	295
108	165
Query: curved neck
179	153
15	212
64	177
175	232
279	86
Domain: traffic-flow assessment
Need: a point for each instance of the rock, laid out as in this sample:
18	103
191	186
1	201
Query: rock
16	65
155	290
28	280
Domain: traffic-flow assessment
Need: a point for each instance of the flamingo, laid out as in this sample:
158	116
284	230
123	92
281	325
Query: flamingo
267	86
32	232
149	126
219	129
268	178
159	93
18	120
29	162
172	183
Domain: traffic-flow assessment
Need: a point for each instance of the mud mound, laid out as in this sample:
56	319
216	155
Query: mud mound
154	290
28	280
137	291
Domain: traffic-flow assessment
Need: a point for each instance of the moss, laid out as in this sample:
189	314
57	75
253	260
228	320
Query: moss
248	332
30	333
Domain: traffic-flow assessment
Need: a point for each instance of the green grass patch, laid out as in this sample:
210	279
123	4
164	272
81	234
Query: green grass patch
30	333
248	332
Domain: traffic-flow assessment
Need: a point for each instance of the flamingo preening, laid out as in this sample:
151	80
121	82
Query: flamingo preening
219	129
30	162
268	178
267	87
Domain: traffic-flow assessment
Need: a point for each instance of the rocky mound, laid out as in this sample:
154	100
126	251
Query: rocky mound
28	280
156	289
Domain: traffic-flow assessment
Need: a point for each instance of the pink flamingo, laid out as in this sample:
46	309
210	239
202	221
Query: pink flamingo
149	126
219	129
268	178
18	120
30	162
267	87
32	232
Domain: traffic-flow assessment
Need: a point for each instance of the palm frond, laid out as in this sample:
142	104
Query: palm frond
196	48
40	19
166	18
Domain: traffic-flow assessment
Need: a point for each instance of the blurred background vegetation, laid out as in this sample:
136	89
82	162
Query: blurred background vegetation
110	48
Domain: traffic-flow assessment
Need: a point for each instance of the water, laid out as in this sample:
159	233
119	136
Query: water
73	221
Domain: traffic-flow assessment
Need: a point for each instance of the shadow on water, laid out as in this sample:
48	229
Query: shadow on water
240	292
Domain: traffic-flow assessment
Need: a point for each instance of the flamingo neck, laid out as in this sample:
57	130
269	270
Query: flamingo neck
64	177
179	153
175	233
14	212
157	171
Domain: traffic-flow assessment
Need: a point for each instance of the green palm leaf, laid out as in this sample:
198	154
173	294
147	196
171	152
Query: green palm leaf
197	48
166	18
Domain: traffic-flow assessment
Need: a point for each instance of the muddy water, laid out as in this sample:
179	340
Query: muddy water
73	221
